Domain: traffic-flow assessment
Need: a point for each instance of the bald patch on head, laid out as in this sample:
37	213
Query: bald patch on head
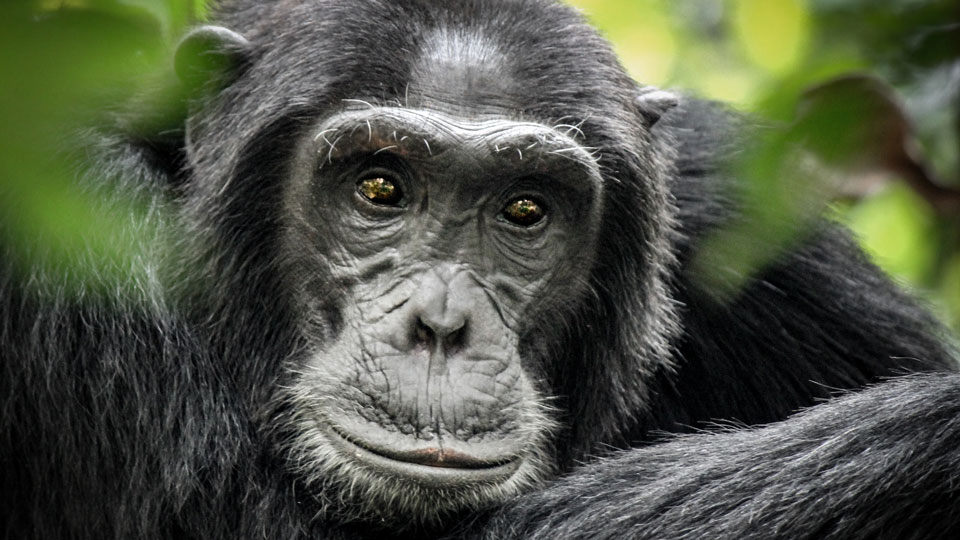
462	68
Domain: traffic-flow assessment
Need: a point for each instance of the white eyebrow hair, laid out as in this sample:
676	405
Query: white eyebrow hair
559	140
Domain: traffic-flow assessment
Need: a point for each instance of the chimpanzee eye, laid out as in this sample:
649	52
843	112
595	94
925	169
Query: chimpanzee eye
524	212
380	190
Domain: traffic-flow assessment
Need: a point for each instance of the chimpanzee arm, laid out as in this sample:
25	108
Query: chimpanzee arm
882	463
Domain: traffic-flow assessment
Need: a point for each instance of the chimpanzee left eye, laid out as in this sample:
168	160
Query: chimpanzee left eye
380	190
524	212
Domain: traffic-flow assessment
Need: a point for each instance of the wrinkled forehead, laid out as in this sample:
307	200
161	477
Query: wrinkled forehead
463	70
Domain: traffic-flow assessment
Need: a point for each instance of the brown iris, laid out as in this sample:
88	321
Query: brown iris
523	212
379	190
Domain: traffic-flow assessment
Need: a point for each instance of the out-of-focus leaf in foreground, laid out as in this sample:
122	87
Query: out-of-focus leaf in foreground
65	65
849	134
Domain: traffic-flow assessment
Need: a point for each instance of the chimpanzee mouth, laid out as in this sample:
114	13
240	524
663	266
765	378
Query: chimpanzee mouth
435	466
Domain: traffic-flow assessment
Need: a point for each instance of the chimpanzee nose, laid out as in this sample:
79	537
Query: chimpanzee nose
447	333
441	313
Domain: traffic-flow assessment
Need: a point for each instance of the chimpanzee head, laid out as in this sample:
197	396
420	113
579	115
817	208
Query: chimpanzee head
459	214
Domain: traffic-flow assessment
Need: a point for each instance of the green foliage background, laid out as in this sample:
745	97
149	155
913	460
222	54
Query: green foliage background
758	55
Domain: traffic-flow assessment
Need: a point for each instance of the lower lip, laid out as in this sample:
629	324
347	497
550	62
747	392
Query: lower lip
425	475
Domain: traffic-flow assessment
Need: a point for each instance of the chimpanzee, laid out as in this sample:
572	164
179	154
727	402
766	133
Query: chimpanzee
425	269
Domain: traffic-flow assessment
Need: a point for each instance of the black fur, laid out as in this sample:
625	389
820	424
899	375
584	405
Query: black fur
877	464
156	410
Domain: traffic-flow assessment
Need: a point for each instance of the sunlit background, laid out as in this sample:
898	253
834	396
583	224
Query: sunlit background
897	188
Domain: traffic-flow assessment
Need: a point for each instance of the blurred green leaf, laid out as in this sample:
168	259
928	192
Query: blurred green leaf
950	290
68	64
895	227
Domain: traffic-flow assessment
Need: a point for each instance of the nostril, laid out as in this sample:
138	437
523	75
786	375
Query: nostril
423	333
455	340
449	335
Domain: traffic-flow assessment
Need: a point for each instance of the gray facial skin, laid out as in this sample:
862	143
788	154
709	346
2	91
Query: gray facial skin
423	384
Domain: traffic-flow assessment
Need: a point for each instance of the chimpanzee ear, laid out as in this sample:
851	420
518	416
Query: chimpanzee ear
209	53
654	103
